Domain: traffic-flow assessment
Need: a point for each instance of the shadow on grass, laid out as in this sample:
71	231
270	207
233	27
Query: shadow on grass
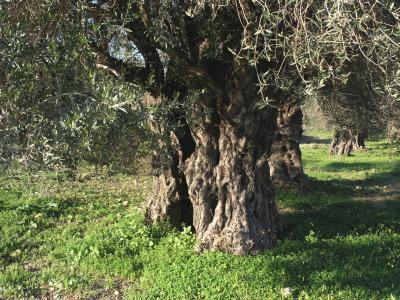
306	139
361	264
49	207
342	219
27	218
350	166
342	207
389	177
342	237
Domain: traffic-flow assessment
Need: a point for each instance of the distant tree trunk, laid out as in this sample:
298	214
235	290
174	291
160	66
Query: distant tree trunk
342	142
285	162
225	176
359	139
393	130
346	140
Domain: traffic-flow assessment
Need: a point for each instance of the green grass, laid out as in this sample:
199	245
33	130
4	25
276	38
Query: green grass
86	240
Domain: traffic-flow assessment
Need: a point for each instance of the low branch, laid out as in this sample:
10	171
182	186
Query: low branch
113	71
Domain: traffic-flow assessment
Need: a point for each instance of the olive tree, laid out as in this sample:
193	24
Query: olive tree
56	108
355	110
362	105
214	73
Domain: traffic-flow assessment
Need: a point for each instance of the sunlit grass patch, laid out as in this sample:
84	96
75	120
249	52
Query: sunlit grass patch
87	239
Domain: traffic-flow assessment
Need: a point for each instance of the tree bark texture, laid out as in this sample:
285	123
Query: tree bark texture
393	130
169	199
342	142
359	139
285	162
346	140
226	174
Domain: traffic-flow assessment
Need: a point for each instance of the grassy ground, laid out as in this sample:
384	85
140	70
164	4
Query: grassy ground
86	239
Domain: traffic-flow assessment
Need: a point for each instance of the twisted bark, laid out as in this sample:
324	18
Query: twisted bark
393	131
359	139
226	179
342	142
169	199
346	140
285	162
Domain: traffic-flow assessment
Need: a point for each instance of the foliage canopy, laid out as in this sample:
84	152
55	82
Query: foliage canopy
58	58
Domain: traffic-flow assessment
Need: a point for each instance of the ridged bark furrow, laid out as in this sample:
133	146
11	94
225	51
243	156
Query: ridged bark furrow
346	140
227	174
169	199
285	162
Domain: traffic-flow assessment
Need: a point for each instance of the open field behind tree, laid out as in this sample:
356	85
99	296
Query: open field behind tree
85	239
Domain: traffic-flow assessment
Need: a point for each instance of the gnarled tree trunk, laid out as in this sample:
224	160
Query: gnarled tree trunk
393	122
225	176
342	142
359	139
393	131
346	140
285	162
169	199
